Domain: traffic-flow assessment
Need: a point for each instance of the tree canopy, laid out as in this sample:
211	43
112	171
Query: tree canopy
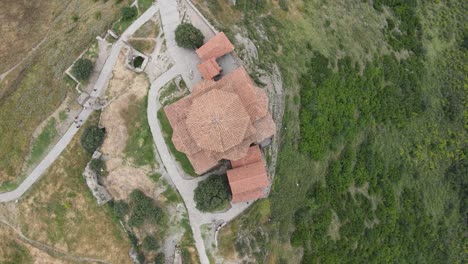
82	69
92	138
128	13
188	36
143	208
212	193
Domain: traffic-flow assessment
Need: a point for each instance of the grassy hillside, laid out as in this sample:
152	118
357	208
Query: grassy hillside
31	92
373	164
60	212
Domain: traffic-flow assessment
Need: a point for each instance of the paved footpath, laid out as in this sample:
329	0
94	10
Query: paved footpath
186	65
99	87
186	62
185	187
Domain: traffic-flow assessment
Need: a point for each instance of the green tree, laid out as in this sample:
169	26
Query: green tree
82	69
143	208
120	208
92	138
188	36
128	13
212	193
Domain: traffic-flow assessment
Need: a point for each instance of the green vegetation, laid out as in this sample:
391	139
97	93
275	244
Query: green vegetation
379	104
63	115
138	61
128	13
148	30
150	243
170	93
15	253
187	244
98	166
155	176
179	156
59	208
82	69
171	195
142	209
42	142
140	214
120	208
144	4
212	194
140	141
92	138
160	259
189	37
145	46
34	90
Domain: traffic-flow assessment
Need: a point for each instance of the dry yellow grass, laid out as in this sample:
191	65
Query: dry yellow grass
29	94
60	212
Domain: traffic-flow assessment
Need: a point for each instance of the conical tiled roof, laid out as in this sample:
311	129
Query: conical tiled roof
217	120
220	120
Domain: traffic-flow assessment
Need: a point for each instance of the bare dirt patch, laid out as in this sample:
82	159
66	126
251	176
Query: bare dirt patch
124	179
124	88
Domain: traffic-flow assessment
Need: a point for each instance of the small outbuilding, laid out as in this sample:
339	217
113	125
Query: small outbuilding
209	69
216	47
248	178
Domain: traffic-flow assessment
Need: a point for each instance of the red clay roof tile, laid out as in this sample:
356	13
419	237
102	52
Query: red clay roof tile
247	179
209	69
216	47
221	119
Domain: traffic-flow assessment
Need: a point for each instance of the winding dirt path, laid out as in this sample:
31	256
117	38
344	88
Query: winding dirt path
3	75
54	252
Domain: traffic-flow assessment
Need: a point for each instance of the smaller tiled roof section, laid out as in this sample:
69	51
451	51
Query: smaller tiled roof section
216	47
248	182
209	69
253	155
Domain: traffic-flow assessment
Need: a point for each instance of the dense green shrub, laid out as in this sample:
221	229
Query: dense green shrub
188	36
212	193
160	259
92	138
82	69
98	166
143	208
284	5
335	105
120	208
128	13
150	243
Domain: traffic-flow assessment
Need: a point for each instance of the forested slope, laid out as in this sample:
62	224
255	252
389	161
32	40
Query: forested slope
373	165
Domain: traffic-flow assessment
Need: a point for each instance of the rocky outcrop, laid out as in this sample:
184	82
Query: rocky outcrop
99	192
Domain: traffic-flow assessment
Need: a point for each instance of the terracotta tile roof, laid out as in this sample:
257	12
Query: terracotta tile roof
202	162
253	155
217	120
216	47
209	69
248	196
220	119
246	181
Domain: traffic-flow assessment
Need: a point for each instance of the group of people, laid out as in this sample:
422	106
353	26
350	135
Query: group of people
78	122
